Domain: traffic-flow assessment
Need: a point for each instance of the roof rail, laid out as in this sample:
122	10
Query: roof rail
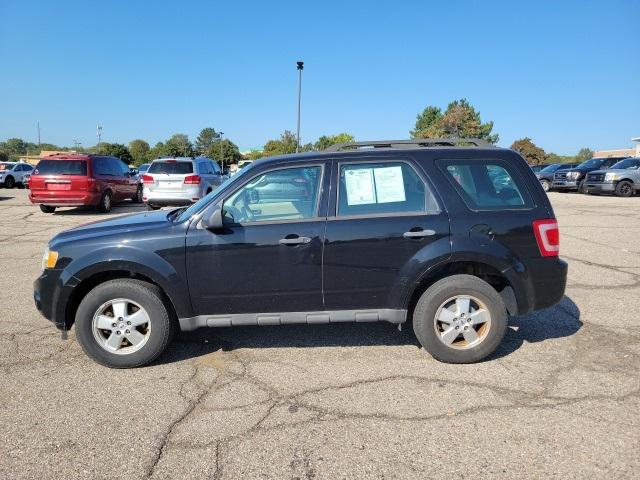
416	142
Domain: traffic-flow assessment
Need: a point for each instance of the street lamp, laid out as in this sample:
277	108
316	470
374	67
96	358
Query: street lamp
300	67
99	133
221	157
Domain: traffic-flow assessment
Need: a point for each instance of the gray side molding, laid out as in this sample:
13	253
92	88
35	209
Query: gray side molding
284	318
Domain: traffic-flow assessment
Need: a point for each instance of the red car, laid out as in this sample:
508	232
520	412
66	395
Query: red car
72	180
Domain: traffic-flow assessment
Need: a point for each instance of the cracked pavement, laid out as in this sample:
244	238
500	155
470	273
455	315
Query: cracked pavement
559	399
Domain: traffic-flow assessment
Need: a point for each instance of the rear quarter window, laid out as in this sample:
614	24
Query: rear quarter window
487	184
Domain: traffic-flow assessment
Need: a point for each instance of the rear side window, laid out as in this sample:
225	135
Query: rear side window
171	167
487	184
382	188
61	167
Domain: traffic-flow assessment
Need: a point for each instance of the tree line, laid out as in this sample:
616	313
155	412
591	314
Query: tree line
459	119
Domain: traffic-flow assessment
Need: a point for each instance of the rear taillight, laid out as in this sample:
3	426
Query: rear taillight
548	237
147	179
91	184
192	179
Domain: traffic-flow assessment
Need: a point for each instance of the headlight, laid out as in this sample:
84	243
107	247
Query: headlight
610	177
573	175
49	259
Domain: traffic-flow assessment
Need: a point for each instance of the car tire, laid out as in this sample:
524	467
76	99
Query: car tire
151	338
47	209
137	197
9	182
452	341
104	206
545	185
624	189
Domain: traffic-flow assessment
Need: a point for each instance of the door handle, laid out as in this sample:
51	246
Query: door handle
418	233
294	240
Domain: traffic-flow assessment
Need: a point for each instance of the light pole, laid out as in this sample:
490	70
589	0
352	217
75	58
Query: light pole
75	144
221	157
99	133
300	67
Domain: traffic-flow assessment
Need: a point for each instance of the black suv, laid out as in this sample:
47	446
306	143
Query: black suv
451	235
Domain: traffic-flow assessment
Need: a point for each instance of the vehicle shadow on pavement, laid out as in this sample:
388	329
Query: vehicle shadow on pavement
562	320
117	209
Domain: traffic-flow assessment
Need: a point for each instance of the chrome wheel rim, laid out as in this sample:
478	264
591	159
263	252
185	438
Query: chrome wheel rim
625	189
462	322
545	186
121	326
107	201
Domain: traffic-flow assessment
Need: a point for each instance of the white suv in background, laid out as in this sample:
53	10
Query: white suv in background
179	181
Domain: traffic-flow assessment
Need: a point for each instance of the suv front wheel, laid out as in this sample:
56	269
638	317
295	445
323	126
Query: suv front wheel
460	319
123	323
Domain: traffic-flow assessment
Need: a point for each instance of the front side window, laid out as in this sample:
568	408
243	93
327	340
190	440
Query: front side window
381	188
284	194
486	184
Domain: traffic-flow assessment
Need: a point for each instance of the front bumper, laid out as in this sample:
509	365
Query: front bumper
605	187
565	184
46	295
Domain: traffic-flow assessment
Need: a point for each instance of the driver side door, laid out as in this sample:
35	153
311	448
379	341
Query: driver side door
268	256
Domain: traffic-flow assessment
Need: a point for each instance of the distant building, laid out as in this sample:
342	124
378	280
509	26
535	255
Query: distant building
620	152
34	159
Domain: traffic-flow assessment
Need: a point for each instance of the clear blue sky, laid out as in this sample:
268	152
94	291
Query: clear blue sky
565	73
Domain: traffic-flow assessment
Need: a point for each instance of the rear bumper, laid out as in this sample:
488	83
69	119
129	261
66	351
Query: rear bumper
549	280
184	196
53	198
593	187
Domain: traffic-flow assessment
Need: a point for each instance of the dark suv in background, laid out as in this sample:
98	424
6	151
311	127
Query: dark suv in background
450	235
545	176
574	179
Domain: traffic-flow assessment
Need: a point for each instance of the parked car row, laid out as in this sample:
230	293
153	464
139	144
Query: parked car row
615	175
68	180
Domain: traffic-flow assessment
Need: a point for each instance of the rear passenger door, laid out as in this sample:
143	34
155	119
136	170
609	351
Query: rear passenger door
385	223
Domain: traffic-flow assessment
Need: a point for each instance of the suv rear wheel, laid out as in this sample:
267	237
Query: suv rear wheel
9	182
137	197
460	319
105	202
47	208
123	323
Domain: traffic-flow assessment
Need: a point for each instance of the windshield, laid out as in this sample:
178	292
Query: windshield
627	163
551	168
205	200
61	167
594	162
171	167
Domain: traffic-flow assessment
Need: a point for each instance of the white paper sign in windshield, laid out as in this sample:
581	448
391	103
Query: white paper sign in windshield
389	184
360	189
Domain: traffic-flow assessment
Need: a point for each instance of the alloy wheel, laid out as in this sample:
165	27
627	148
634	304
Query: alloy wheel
462	322
121	326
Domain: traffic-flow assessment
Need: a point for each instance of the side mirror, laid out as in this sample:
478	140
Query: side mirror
214	221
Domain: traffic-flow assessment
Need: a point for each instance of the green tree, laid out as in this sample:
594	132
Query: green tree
139	150
116	150
205	140
533	154
157	151
460	119
326	141
179	146
14	147
4	157
285	144
584	154
224	151
253	155
428	123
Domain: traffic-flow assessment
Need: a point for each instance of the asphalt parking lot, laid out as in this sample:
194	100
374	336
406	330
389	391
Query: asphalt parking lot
561	398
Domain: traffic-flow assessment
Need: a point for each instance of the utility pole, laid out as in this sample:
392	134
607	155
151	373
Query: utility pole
75	144
221	157
38	135
99	133
299	67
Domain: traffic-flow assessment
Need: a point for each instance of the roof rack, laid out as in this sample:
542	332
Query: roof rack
417	142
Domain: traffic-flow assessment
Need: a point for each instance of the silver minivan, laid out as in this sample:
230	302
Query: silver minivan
179	180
